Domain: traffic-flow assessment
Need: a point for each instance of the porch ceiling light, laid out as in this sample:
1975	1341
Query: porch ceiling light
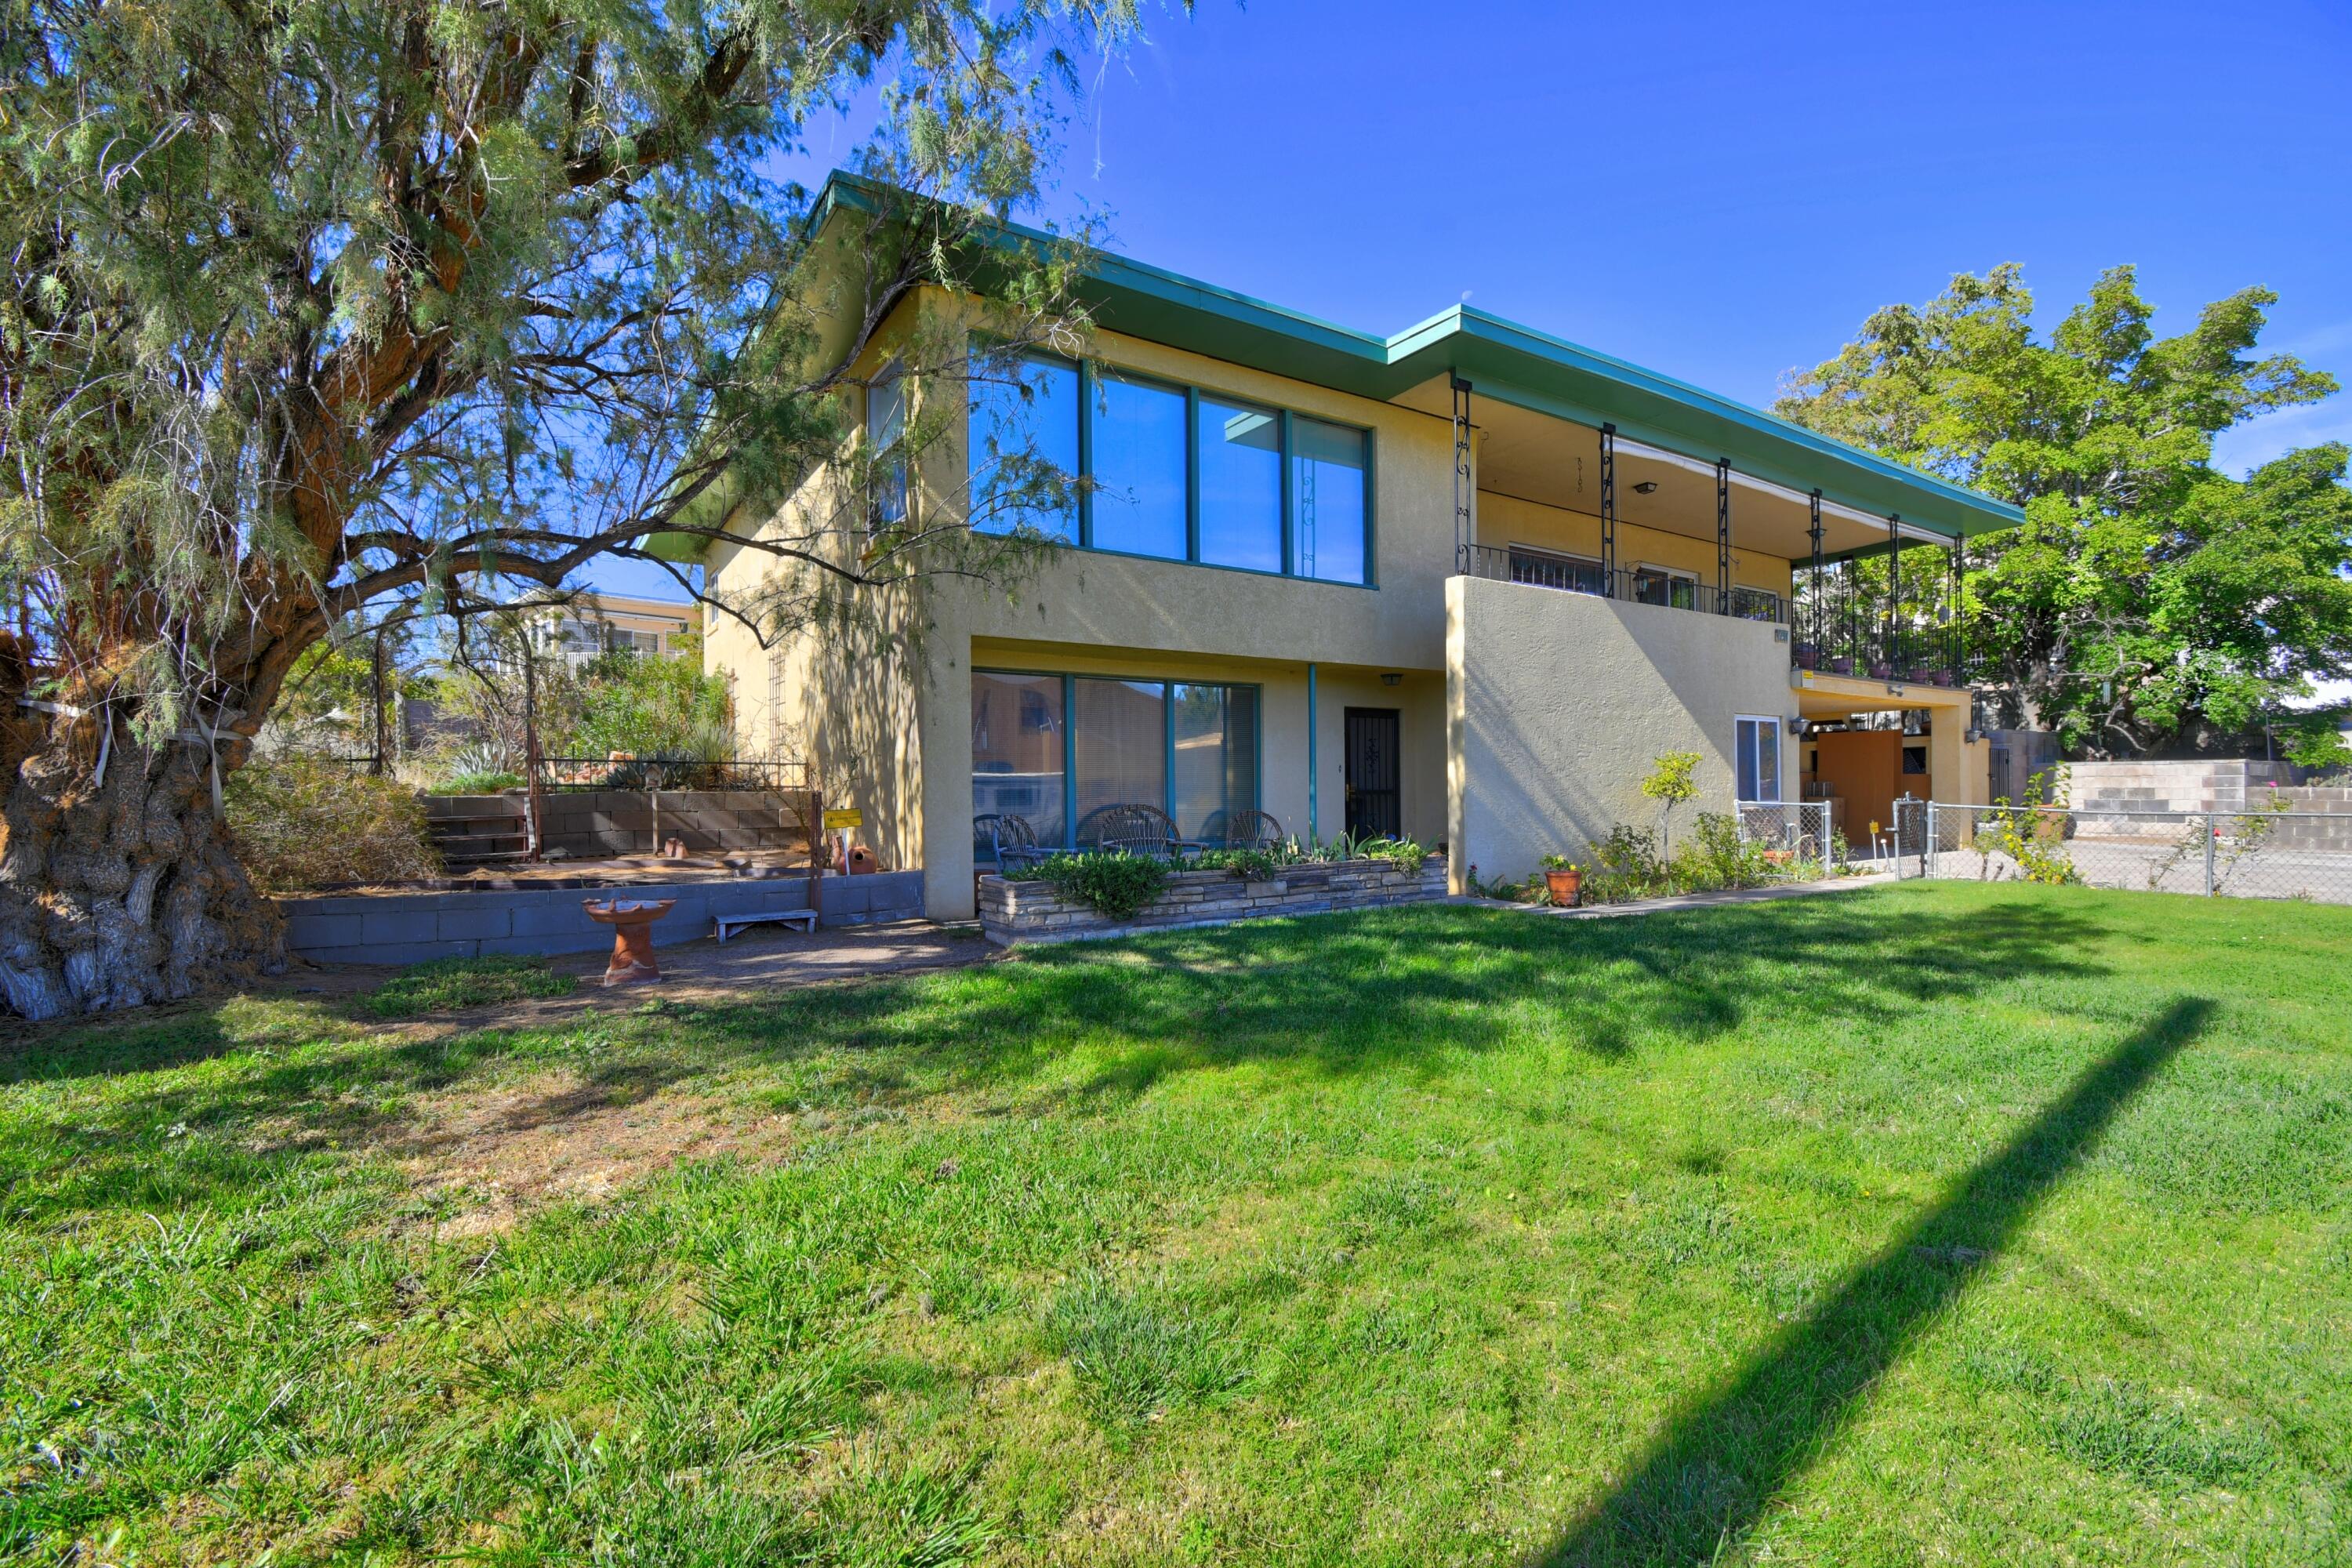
1647	488
1392	678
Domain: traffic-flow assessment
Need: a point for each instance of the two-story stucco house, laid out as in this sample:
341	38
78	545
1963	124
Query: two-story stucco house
1463	584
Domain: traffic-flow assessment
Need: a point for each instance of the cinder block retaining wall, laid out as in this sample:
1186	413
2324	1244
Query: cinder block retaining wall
409	928
2227	787
2170	786
1034	911
623	822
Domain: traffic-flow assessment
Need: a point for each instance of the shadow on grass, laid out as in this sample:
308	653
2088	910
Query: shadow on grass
1411	990
1707	1483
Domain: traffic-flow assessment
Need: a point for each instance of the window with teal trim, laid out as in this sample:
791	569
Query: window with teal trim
1214	756
1330	467
1024	445
1111	462
1121	732
1139	467
1189	748
1240	464
885	428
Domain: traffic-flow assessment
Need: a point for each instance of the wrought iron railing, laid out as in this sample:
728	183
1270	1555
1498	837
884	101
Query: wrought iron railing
671	773
1840	626
1637	585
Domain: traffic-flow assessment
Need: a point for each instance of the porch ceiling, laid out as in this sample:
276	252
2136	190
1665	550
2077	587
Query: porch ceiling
1839	697
1556	462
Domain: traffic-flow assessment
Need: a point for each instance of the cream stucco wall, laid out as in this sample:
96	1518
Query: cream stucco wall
1557	704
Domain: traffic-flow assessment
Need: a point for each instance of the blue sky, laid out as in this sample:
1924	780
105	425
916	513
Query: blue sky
1723	192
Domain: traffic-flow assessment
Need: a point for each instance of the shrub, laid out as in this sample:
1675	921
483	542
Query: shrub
1115	885
1717	858
1626	864
1249	864
1406	853
478	784
305	822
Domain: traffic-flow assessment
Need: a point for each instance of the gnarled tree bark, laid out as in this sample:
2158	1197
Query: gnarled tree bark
119	885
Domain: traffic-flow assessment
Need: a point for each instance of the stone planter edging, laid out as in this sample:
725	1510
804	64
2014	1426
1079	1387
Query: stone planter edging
1032	912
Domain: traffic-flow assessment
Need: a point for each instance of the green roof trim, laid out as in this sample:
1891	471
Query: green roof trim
1503	361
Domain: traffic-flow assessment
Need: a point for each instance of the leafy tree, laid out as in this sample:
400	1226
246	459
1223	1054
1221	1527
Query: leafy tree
652	707
337	310
2149	603
1671	783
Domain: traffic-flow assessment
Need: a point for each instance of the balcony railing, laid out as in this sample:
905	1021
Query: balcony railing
1838	623
1637	585
1840	626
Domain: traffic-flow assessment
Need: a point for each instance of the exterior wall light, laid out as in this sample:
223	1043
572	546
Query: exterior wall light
1647	488
1392	678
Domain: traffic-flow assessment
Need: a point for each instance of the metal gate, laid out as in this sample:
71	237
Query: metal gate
1373	807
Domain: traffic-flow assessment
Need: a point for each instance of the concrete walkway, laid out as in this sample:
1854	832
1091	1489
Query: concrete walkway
1692	901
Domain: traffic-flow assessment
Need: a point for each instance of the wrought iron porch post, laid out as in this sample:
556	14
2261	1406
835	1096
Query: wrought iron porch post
1813	617
1894	588
1463	483
1955	653
1723	536
1609	510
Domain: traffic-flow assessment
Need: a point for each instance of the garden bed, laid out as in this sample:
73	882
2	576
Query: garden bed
1034	911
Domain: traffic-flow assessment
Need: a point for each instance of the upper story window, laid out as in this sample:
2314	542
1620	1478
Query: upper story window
1178	473
885	427
1024	420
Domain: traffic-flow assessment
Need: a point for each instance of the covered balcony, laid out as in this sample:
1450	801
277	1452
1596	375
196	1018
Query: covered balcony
1582	507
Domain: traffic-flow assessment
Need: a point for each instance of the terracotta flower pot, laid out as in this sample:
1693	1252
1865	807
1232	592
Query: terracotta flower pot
1564	886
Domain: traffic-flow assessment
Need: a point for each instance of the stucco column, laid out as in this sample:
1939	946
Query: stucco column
939	776
1956	770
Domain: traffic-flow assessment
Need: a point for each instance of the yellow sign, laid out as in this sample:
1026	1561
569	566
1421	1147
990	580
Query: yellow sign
844	818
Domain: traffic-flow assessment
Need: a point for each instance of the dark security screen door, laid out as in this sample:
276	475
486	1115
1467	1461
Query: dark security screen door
1372	809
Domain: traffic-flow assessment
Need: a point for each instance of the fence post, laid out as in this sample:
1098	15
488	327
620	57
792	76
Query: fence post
2212	828
1927	861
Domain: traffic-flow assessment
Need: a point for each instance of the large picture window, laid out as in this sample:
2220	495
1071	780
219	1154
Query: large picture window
1755	759
1189	748
1330	471
1241	485
1170	472
1020	750
1024	446
1139	469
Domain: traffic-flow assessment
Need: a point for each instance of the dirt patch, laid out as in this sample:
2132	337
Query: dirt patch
489	1158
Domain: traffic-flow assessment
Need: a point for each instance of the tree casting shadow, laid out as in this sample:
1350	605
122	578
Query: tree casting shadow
1710	1478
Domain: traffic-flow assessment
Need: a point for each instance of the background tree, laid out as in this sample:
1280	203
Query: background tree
340	310
2150	604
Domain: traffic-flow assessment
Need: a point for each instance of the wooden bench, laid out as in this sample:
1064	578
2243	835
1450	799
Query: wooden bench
730	924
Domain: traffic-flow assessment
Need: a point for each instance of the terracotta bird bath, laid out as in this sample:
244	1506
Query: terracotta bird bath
632	920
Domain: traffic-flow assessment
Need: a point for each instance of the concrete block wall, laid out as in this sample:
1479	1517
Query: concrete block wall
1034	911
410	928
2170	786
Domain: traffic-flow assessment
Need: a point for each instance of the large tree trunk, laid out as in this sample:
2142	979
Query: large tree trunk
123	890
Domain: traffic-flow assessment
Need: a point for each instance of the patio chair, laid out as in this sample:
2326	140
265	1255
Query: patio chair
1138	829
1010	839
1251	830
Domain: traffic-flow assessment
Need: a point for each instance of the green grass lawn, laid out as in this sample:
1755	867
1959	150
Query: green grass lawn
1938	1224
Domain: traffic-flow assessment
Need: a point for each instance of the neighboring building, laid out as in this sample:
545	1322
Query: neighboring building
590	625
1464	583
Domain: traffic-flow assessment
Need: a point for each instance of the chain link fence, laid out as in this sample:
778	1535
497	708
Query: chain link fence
1798	829
2301	855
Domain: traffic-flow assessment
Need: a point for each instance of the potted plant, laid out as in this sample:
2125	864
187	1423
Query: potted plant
1563	880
